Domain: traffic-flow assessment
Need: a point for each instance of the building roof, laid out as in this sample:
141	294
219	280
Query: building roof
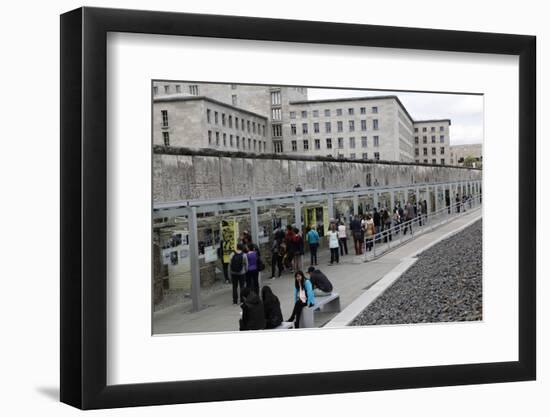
169	98
433	121
335	100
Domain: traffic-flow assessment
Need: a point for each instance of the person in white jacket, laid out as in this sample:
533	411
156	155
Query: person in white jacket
333	244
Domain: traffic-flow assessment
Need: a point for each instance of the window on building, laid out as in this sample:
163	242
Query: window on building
424	139
416	130
277	130
327	112
223	119
293	129
416	152
248	126
155	90
363	141
340	156
294	145
363	110
434	161
352	142
276	98
166	89
231	140
263	131
350	111
316	127
441	128
254	144
375	109
276	114
277	146
315	113
442	150
329	143
166	138
363	125
249	143
194	90
236	123
433	151
224	139
351	156
376	141
164	114
424	129
306	145
442	139
317	143
377	156
425	161
230	121
340	125
340	143
425	151
217	138
234	99
208	115
210	137
433	139
338	112
433	129
292	115
442	161
375	124
216	117
416	140
328	127
242	124
304	114
304	128
365	156
178	88
351	125
237	139
233	86
254	127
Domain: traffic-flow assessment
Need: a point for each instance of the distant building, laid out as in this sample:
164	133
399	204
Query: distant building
460	152
283	120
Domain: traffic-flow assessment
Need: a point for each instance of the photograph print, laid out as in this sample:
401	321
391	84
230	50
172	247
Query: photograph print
278	208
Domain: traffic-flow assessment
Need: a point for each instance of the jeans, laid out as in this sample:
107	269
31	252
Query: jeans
343	245
297	312
252	281
238	282
313	253
358	245
334	255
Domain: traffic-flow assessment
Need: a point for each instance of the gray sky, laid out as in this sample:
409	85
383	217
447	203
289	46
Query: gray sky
465	111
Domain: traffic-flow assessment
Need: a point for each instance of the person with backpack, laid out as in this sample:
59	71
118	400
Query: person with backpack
313	240
238	265
272	308
252	270
253	317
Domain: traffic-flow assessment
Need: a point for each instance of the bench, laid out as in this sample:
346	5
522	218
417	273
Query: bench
285	325
324	303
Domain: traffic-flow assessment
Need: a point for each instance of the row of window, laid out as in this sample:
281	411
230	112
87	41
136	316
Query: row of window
339	144
432	129
214	138
193	89
327	112
241	123
425	139
434	161
425	151
328	127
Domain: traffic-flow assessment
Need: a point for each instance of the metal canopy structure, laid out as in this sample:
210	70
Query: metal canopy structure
397	194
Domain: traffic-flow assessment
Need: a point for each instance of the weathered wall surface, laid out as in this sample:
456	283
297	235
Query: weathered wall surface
178	176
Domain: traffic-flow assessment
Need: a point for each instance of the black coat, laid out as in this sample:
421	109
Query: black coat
253	313
320	280
272	312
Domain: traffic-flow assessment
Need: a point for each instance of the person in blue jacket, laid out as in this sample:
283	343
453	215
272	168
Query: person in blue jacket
303	297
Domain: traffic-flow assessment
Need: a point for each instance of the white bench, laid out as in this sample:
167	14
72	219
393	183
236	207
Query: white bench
285	325
324	303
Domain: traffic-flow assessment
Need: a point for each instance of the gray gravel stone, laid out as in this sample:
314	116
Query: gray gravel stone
444	285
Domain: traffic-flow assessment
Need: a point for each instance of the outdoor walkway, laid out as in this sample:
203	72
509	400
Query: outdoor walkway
350	279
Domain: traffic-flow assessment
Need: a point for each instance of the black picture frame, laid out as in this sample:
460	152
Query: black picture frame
84	179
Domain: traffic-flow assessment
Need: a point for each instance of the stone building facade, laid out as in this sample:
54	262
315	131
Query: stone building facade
432	141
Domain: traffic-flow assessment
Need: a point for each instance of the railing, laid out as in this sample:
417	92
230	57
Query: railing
393	237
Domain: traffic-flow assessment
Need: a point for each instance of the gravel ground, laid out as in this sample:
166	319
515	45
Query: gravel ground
444	285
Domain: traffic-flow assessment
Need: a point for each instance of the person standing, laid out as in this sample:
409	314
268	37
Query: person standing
276	258
356	232
303	297
377	219
343	238
290	247
238	265
252	271
333	244
369	232
298	250
313	240
272	308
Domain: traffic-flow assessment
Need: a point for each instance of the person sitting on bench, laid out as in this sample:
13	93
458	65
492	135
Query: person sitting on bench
319	281
252	311
303	297
272	308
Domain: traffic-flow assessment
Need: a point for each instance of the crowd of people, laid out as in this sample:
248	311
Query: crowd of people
264	312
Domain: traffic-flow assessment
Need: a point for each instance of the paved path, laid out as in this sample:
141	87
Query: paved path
350	279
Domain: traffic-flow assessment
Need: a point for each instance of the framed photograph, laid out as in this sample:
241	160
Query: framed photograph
258	208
